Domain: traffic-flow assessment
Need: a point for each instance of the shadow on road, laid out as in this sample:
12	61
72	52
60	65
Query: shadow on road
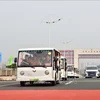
38	85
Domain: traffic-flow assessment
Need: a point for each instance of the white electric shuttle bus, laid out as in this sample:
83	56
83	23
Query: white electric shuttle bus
38	65
63	64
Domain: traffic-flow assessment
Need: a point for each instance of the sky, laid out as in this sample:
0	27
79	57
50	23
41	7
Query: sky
23	25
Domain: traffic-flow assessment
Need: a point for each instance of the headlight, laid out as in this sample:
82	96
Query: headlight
22	73
46	72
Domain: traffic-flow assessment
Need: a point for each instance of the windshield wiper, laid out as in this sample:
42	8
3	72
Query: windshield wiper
42	66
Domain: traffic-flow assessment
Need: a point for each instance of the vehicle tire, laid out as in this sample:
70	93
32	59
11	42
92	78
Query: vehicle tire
31	83
65	79
62	79
58	82
53	83
98	77
22	83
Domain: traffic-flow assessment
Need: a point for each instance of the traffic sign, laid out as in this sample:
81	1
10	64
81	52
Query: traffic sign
0	57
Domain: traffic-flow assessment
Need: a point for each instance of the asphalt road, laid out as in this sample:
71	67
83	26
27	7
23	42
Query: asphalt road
71	84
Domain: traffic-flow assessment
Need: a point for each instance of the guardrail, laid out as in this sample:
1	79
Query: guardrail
8	72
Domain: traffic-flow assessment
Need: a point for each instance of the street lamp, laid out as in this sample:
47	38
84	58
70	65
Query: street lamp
52	22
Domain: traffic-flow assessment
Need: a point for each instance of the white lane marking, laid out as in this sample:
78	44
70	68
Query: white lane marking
8	84
68	82
61	82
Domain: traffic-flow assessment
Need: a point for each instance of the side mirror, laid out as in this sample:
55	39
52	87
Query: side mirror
55	59
15	60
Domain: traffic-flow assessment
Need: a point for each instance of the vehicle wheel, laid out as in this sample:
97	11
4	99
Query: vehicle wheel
31	83
58	82
53	83
62	79
22	83
65	79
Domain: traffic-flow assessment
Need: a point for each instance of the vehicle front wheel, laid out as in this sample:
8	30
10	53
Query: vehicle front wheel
31	83
53	83
22	83
58	82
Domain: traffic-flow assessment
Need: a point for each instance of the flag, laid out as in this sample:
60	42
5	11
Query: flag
10	60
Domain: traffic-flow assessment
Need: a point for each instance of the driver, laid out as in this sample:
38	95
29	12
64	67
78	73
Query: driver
25	61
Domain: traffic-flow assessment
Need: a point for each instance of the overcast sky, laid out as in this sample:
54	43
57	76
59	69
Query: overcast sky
22	24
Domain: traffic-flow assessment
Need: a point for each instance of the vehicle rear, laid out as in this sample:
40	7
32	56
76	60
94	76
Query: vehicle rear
63	64
76	73
70	72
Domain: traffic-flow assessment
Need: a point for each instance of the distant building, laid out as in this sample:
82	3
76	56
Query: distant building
81	58
69	54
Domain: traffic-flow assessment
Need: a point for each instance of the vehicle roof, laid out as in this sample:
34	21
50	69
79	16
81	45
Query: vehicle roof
91	66
23	49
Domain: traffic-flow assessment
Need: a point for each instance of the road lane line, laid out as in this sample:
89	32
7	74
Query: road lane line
68	83
8	84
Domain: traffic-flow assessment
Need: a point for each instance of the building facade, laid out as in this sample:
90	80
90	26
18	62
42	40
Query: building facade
69	54
81	58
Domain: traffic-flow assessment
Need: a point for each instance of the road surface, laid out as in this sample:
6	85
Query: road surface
71	84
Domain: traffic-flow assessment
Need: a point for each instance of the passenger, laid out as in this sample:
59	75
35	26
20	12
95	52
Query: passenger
34	61
48	61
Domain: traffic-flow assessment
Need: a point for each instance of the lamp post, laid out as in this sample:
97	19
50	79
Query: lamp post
52	22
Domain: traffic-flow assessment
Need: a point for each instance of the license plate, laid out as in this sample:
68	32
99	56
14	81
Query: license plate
92	74
34	79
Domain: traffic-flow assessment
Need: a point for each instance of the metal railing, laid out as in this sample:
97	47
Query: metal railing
7	72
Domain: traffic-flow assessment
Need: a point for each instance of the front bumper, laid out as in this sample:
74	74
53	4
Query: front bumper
92	74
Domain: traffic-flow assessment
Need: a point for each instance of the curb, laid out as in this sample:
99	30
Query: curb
7	78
